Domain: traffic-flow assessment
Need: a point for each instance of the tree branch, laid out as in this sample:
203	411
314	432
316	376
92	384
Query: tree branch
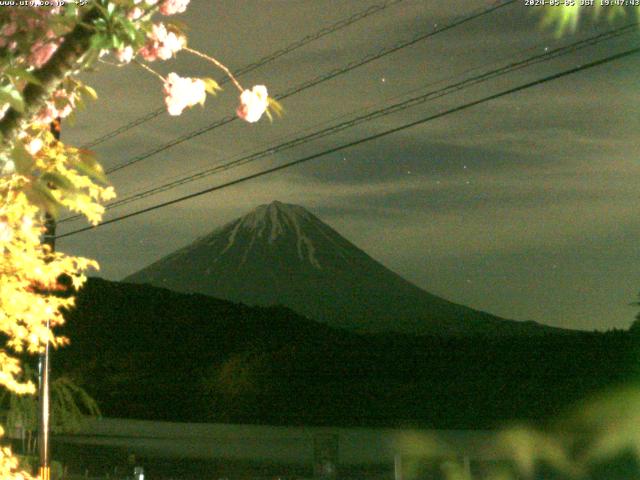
76	43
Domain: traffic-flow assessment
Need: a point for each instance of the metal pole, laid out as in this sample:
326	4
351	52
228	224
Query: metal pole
43	434
44	363
397	466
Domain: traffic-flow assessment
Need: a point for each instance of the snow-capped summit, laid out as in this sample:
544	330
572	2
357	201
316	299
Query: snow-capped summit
275	221
281	254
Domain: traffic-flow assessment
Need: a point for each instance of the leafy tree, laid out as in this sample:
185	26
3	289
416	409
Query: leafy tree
43	49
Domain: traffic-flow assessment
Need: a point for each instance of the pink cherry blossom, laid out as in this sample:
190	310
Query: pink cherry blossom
63	102
171	7
183	92
34	146
135	13
47	114
171	45
60	106
161	44
253	103
125	55
41	53
9	29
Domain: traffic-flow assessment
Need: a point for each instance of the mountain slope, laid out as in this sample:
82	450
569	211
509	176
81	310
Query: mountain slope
281	254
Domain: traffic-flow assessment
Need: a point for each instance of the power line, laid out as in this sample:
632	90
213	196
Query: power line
317	80
365	139
348	114
259	63
432	95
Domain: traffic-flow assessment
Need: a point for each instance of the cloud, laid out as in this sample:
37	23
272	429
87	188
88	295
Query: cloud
496	211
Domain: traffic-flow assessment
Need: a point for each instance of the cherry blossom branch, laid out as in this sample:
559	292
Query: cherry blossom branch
112	64
150	70
75	44
217	64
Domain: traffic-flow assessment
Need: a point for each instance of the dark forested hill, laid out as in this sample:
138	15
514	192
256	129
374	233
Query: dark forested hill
151	353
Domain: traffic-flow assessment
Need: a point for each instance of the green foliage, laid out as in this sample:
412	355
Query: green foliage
114	30
22	159
275	106
597	439
39	194
70	404
566	17
11	95
598	435
87	164
20	74
211	86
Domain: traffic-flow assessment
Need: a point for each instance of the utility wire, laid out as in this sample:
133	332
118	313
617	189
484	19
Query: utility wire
432	95
259	63
354	143
329	121
315	81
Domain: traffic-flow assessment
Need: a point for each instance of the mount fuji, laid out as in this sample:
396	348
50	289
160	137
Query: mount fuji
281	254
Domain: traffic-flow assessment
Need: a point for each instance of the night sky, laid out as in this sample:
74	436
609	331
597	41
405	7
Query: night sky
525	207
